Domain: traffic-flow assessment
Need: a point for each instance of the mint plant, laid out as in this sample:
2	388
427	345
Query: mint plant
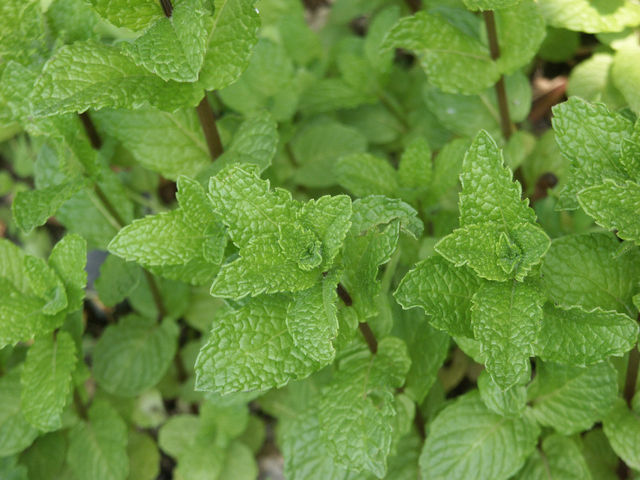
248	239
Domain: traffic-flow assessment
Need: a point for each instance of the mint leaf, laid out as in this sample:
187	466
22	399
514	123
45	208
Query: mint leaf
506	318
625	74
171	144
497	238
69	258
46	284
94	75
131	14
98	448
489	4
571	399
589	135
46	380
363	174
32	208
454	61
614	206
16	433
174	47
133	355
510	403
559	457
144	457
578	337
251	349
355	408
589	17
622	428
415	171
230	41
466	439
584	270
444	292
117	278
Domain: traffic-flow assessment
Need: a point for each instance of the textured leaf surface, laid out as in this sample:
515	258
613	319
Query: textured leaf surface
46	284
590	16
364	174
560	457
584	270
168	143
117	279
132	14
506	319
98	448
466	440
489	4
133	355
69	259
251	349
94	75
357	407
32	208
508	403
571	399
622	428
46	380
229	43
174	47
614	207
16	433
577	337
454	61
444	292
521	30
589	135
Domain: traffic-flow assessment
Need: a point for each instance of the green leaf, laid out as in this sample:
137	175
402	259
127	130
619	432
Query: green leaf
578	337
144	457
466	440
444	292
364	174
69	258
454	61
230	42
625	75
571	399
312	321
560	457
585	270
171	144
117	279
20	315
375	211
98	448
489	4
32	208
601	459
495	253
415	170
428	349
521	30
174	47
356	409
16	433
46	380
622	428
615	207
21	31
95	75
132	14
590	16
46	284
251	349
133	355
589	135
506	318
177	433
508	403
45	458
316	157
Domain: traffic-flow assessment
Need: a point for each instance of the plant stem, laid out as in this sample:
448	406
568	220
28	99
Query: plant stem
632	375
344	295
208	123
369	336
501	91
414	5
95	139
167	7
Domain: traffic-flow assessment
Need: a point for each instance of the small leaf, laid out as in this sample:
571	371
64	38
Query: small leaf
560	457
622	428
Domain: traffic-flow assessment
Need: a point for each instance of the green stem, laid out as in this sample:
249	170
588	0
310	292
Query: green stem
501	91
632	375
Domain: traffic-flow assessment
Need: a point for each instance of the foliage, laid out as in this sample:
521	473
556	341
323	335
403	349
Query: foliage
233	227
